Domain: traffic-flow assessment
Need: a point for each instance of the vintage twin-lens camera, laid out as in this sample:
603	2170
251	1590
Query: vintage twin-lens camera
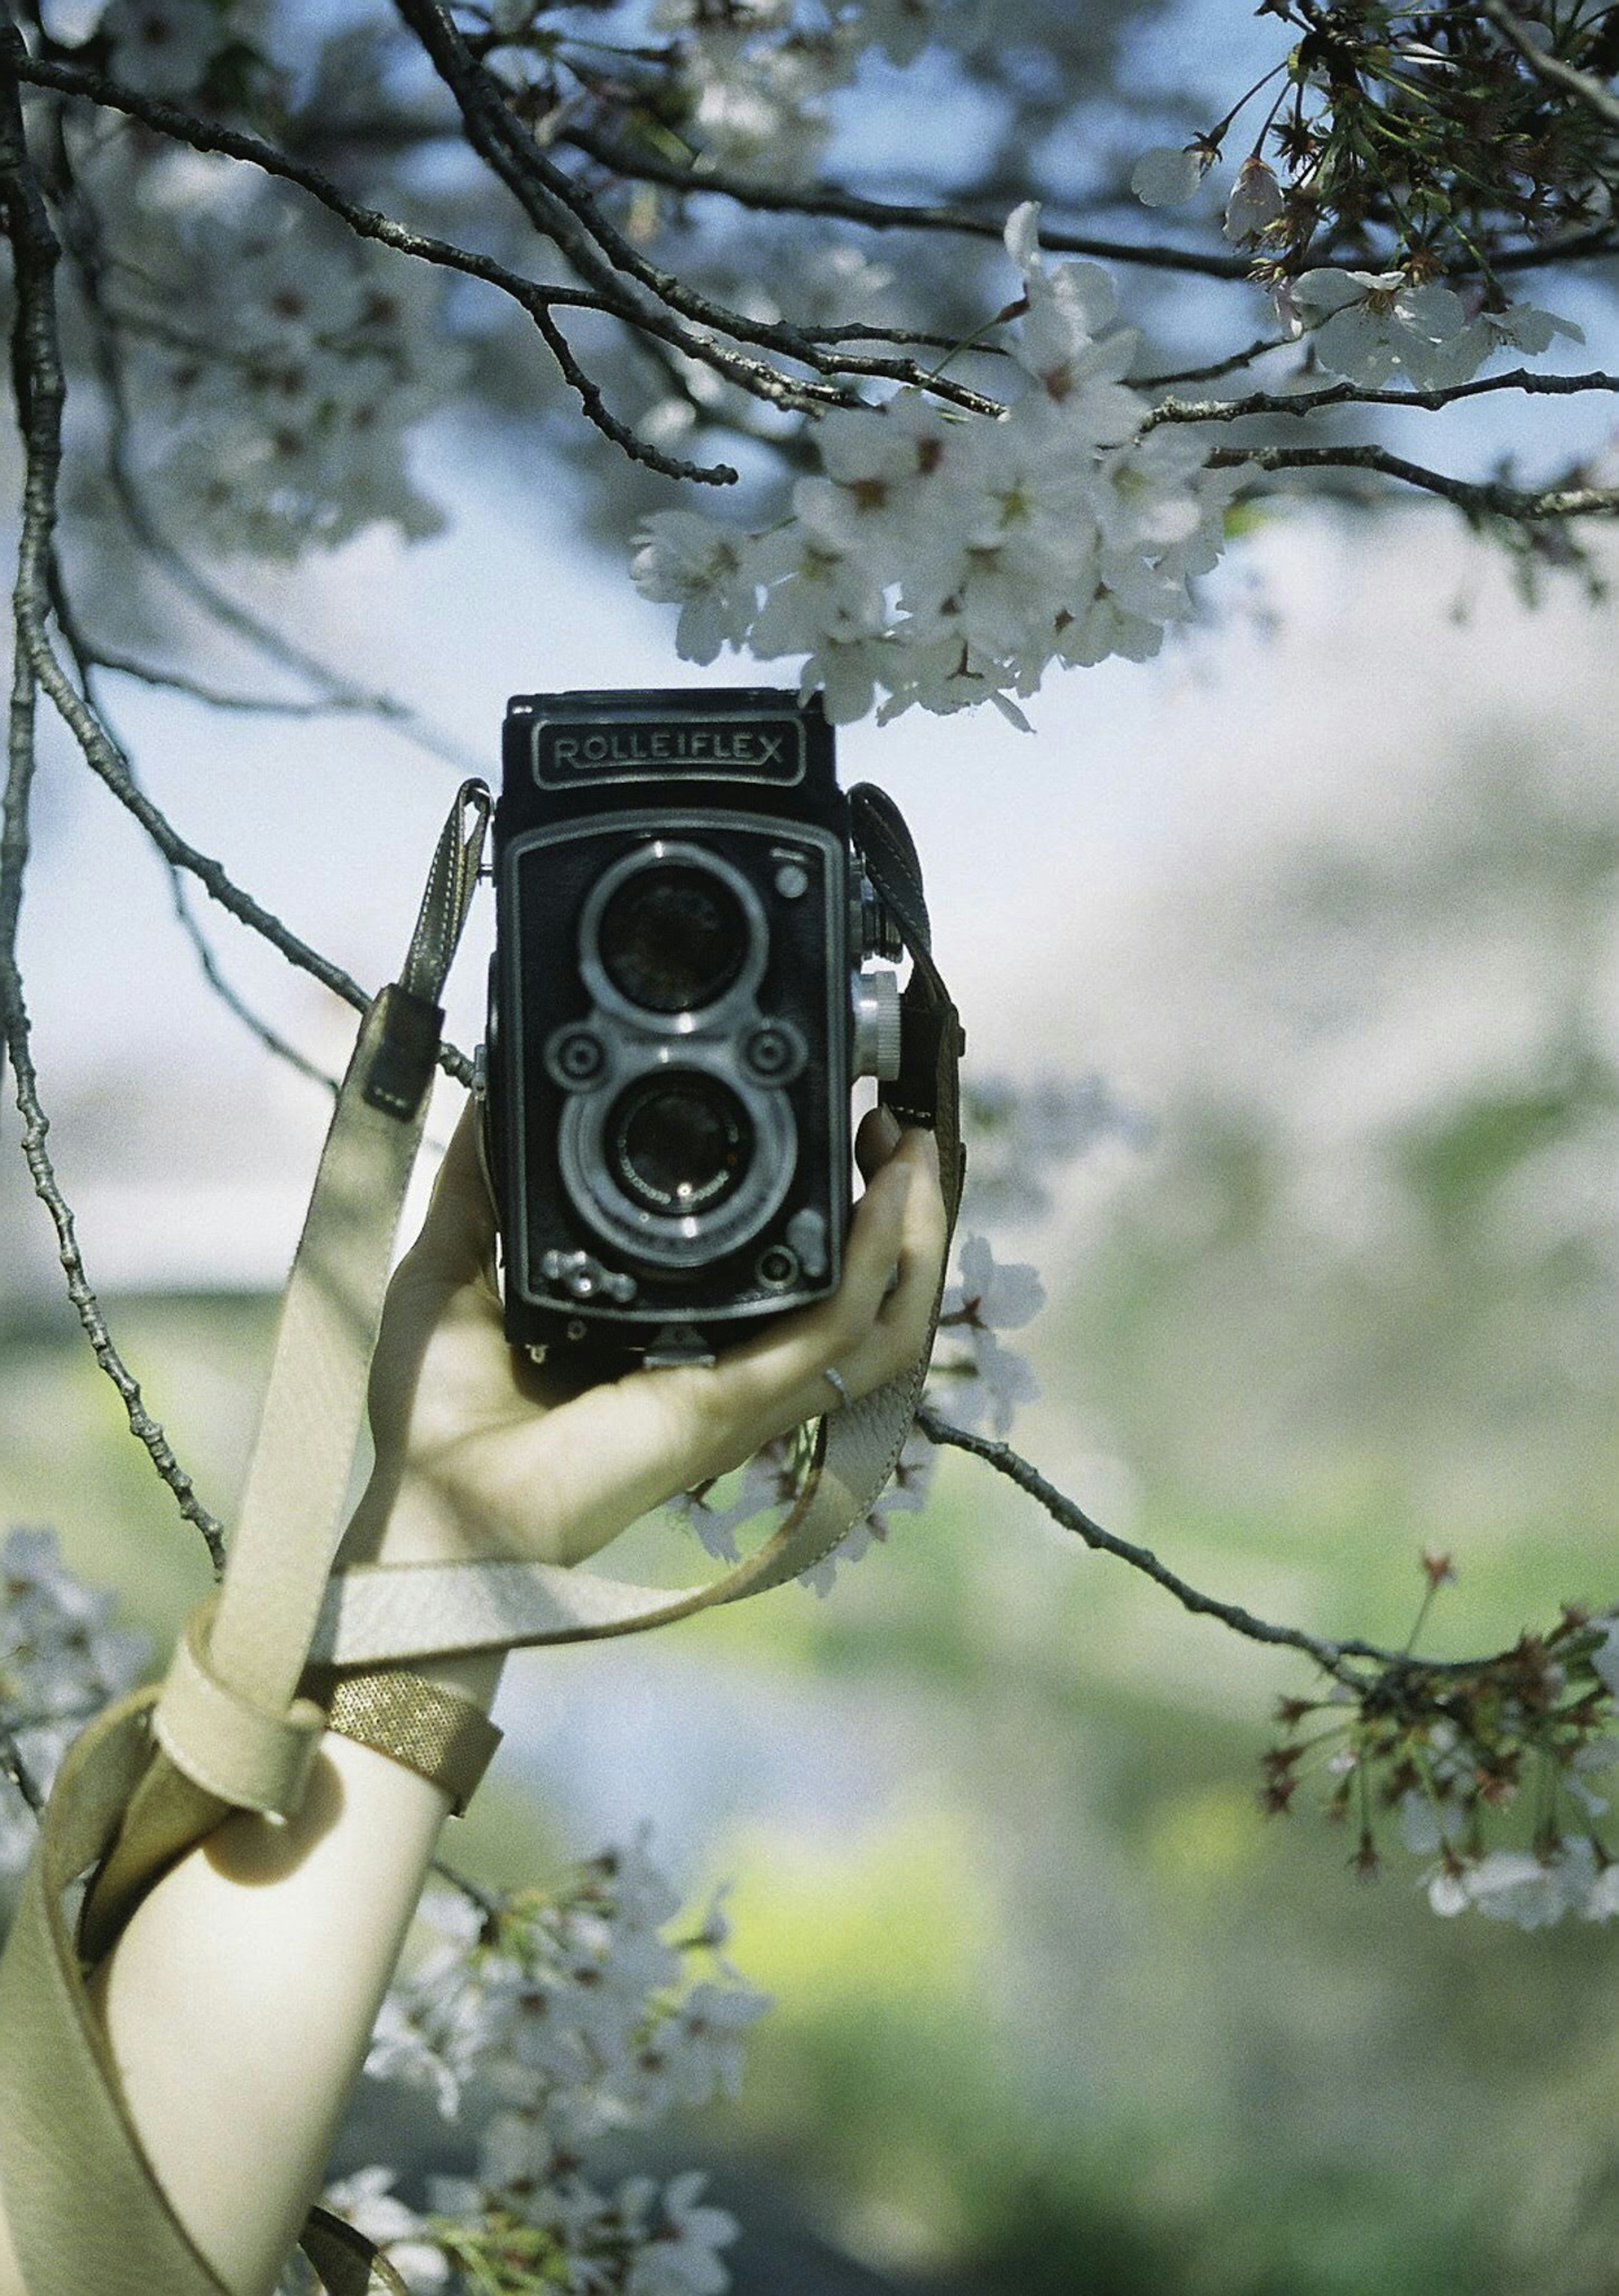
678	1014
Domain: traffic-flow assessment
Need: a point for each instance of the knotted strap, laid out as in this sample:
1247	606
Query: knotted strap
87	2215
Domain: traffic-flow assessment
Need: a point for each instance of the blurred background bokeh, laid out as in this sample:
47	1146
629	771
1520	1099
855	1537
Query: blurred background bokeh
1324	902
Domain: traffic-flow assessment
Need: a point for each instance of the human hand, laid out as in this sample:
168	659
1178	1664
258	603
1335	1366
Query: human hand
480	1453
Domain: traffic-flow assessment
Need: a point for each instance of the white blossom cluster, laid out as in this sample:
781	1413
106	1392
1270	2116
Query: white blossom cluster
762	72
941	559
565	2018
1372	328
282	367
62	1659
1530	1888
1376	328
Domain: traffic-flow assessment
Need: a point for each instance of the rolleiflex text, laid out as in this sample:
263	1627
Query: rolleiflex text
772	750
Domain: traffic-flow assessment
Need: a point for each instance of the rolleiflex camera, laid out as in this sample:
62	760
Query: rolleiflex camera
679	1007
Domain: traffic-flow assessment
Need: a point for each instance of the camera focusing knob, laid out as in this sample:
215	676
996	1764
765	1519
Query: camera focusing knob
582	1277
875	931
878	1025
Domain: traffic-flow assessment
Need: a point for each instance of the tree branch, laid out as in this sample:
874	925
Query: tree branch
645	166
41	393
1476	497
1583	86
601	253
1229	365
1353	394
642	165
101	656
1332	1657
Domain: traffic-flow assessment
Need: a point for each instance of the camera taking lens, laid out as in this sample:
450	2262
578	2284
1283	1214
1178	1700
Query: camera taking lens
679	1141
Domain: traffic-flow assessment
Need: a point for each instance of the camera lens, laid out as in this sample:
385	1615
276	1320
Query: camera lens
673	938
679	1141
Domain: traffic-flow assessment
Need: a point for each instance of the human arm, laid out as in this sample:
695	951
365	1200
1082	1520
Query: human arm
240	1995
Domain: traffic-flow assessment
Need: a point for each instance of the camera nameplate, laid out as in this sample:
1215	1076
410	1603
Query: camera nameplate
567	752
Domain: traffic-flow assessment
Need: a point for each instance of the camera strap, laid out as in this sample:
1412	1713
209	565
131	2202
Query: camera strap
157	1772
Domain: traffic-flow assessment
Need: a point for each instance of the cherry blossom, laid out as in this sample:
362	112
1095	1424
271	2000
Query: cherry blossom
1520	327
990	1296
1377	327
1169	174
1256	201
678	2255
940	560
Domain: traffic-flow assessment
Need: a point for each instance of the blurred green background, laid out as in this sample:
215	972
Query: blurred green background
1057	2008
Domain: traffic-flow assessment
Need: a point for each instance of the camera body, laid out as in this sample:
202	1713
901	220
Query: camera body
678	1016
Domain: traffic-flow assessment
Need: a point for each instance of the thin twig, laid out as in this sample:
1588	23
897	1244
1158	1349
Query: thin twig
41	393
1229	365
1477	498
1583	86
106	759
1355	394
643	165
87	661
1332	1657
487	1905
218	697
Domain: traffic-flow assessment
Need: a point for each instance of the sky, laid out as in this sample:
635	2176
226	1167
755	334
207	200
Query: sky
332	825
188	1153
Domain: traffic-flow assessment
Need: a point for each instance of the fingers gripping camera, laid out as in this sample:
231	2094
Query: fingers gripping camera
680	1007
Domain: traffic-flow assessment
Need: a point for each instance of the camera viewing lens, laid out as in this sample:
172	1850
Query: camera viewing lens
679	1141
673	938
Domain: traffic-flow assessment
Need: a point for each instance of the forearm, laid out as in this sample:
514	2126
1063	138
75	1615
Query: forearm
241	1995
